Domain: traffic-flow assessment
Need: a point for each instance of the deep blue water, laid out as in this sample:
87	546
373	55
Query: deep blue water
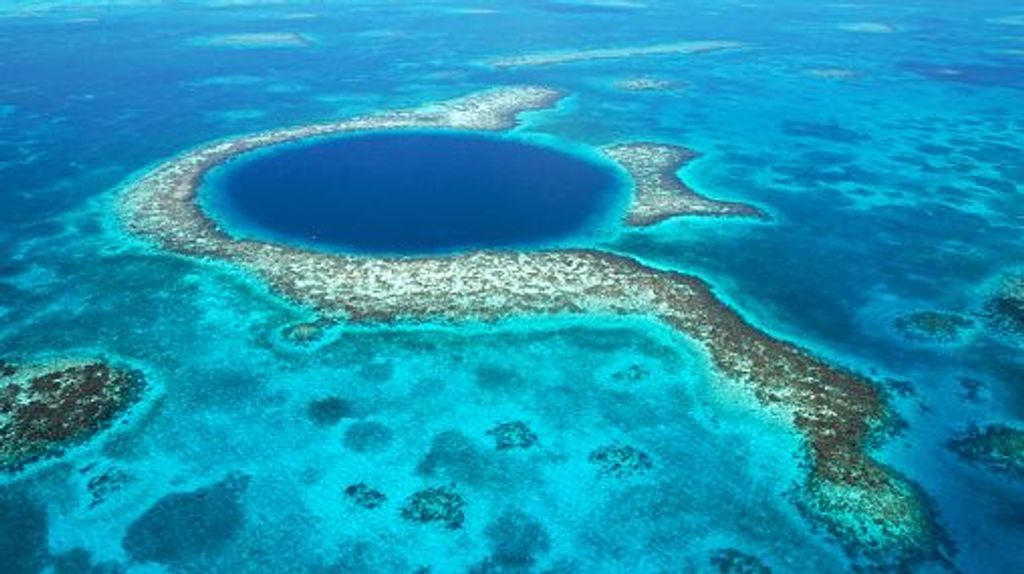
414	193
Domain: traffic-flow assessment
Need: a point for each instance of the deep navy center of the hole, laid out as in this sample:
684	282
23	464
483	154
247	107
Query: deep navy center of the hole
416	192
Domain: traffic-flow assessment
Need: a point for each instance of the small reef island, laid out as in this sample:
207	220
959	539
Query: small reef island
47	408
879	516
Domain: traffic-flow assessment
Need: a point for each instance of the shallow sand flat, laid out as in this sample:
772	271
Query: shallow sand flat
868	28
646	84
256	40
552	58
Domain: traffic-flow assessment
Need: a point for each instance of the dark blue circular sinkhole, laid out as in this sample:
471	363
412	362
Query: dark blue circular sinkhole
413	193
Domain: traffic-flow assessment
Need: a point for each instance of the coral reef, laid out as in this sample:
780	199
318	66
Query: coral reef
733	561
1005	307
439	504
365	496
658	192
839	414
305	333
328	411
512	435
998	447
974	390
187	526
620	461
104	483
933	326
7	369
631	374
47	408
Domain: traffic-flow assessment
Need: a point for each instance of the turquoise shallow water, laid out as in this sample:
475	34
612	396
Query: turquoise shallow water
893	188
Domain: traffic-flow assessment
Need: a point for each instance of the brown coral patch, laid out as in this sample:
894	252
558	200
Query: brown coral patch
46	409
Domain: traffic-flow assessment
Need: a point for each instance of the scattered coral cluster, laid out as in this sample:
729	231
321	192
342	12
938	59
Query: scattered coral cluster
620	461
932	326
365	496
998	447
328	411
632	374
47	408
439	504
305	333
868	506
104	483
512	435
1006	305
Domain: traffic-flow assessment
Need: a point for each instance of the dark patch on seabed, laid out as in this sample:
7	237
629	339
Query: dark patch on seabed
23	532
189	526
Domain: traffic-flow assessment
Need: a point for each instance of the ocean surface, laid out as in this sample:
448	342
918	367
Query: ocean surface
885	140
414	194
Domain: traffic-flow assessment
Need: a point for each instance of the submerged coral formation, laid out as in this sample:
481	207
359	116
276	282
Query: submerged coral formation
47	408
105	483
631	374
440	504
998	447
328	411
1006	306
365	496
512	435
620	461
659	194
305	333
933	326
870	507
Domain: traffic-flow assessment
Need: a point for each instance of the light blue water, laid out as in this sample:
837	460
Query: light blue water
894	190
